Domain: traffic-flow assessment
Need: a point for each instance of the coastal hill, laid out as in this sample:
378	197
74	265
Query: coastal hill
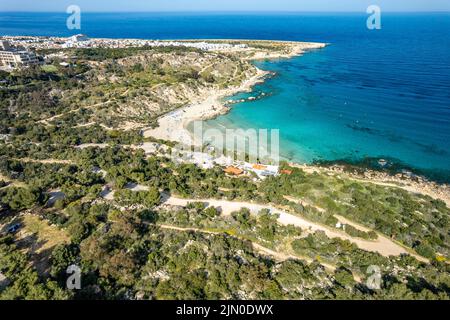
130	87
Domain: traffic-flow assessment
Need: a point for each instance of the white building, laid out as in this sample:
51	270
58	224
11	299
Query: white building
76	41
262	171
4	45
13	58
79	38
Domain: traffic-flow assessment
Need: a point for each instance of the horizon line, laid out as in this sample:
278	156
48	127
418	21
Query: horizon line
226	11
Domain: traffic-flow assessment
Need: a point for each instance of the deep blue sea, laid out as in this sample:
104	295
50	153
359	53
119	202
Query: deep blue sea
371	93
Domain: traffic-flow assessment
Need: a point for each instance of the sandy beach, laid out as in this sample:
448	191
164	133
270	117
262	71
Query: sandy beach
173	126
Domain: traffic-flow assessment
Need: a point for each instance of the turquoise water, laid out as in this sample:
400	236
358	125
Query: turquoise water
382	94
386	96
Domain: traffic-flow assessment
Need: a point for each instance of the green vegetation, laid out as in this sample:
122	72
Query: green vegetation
111	86
129	244
145	198
417	221
24	281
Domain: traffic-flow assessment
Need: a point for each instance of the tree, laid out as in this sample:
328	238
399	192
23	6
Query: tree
243	216
62	257
344	277
78	230
24	281
152	198
21	198
211	212
424	249
267	224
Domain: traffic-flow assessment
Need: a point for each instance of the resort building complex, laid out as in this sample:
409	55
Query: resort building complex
14	57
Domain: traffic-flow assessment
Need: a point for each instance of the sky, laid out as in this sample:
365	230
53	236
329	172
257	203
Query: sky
224	5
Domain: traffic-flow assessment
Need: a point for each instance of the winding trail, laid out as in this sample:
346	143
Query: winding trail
44	161
278	256
383	245
57	116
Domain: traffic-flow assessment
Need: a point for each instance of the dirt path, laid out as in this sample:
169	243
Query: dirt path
46	121
278	256
358	226
6	179
383	245
46	161
11	182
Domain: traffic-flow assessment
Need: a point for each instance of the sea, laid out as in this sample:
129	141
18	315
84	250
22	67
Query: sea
369	95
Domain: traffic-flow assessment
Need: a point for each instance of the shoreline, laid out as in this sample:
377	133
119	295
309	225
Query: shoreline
173	126
414	185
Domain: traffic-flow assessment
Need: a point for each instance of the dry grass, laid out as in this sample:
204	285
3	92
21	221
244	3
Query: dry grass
50	236
38	238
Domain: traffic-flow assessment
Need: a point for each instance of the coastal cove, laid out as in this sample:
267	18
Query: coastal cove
343	111
380	94
113	181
